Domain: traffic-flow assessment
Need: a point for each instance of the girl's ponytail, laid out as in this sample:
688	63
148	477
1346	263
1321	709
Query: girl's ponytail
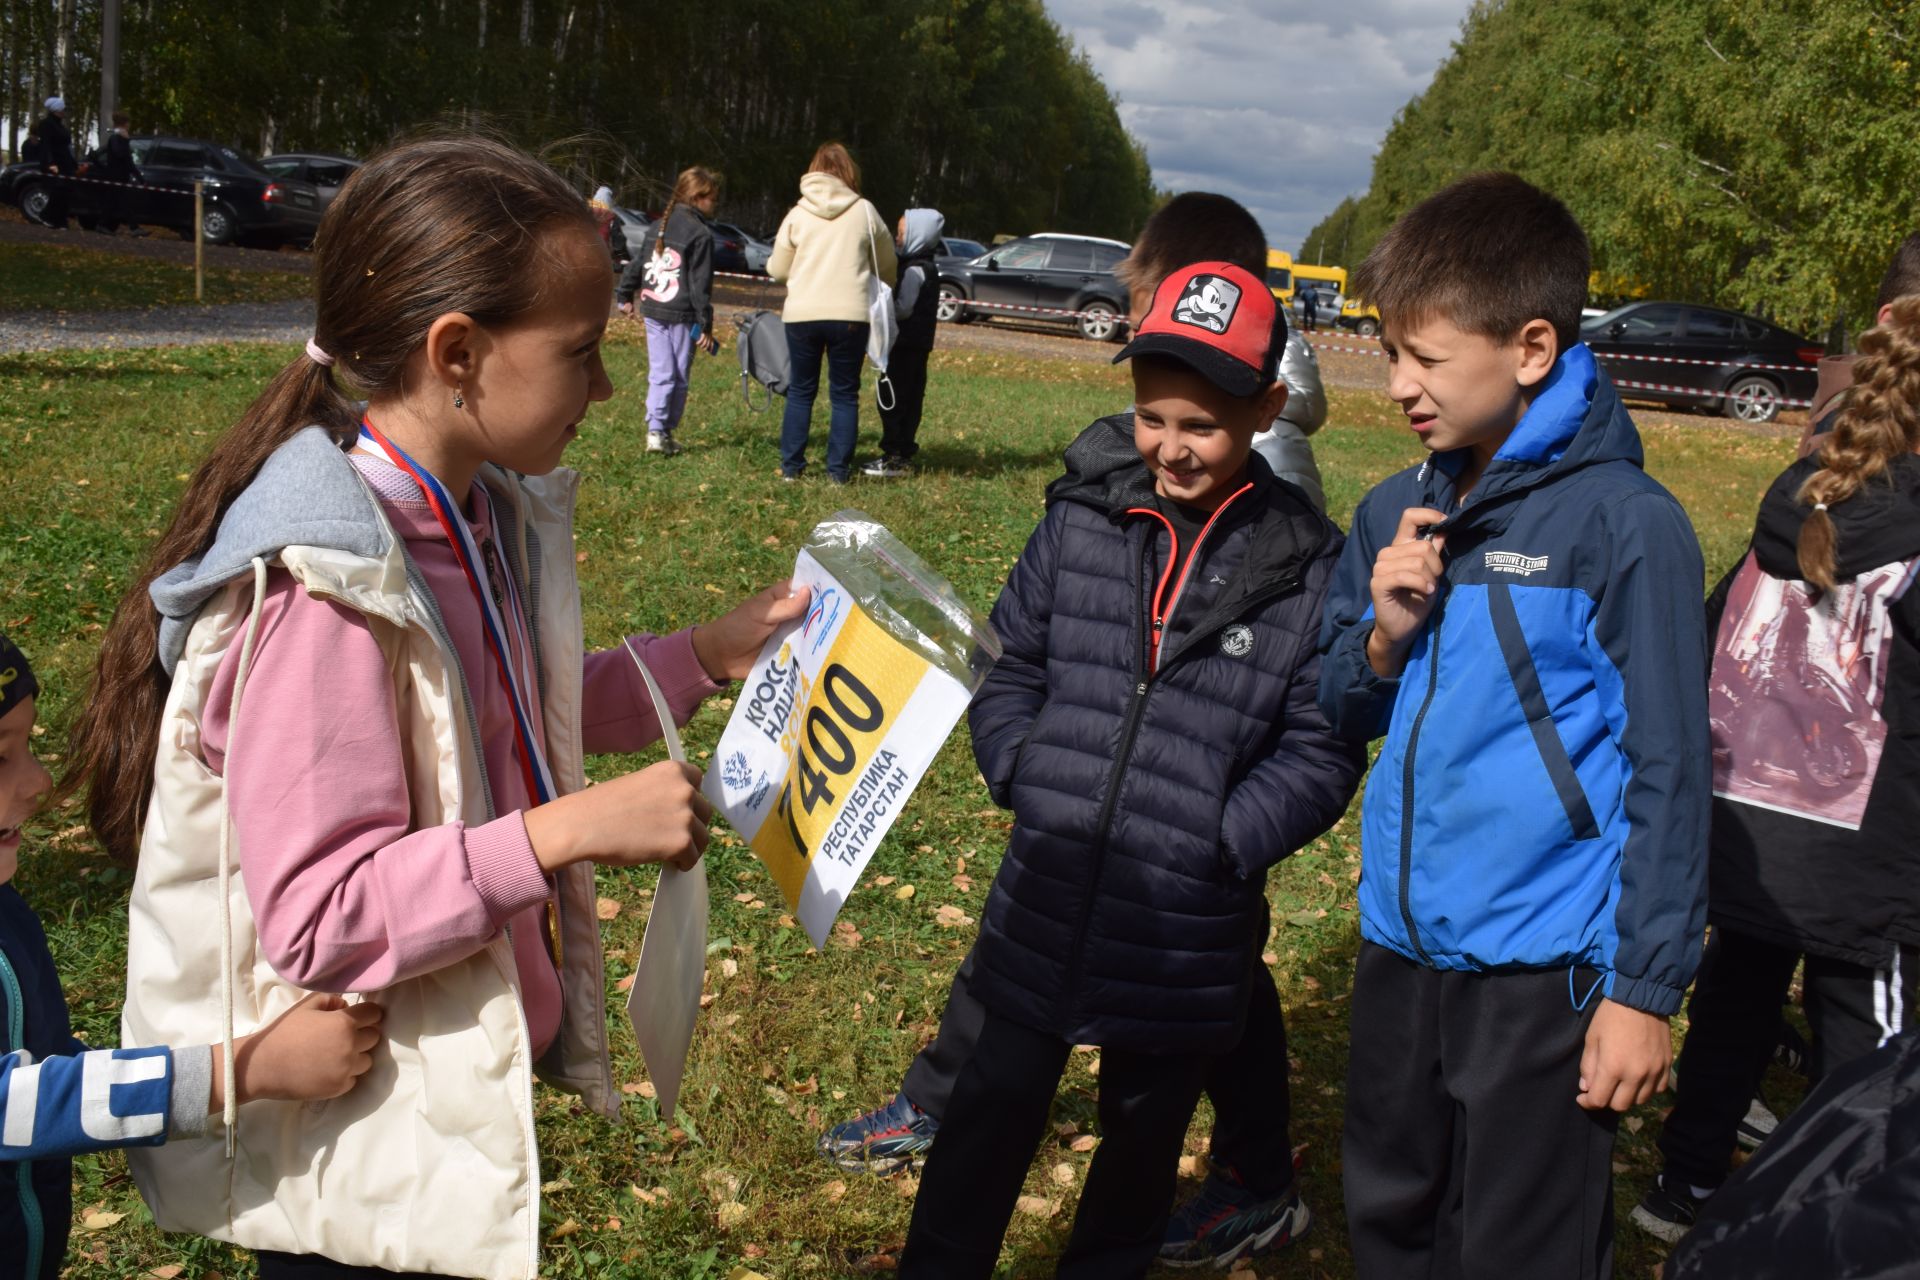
433	226
1880	422
116	734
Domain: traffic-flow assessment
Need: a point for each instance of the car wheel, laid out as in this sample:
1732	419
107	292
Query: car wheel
952	307
1753	400
1368	328
35	201
1099	322
218	224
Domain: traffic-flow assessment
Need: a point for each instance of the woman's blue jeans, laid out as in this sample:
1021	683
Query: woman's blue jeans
843	344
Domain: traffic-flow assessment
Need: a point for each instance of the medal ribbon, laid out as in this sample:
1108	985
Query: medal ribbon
533	761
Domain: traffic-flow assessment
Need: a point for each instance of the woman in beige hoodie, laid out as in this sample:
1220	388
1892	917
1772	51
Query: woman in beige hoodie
827	249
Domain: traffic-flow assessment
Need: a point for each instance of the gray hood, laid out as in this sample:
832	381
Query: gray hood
924	227
307	494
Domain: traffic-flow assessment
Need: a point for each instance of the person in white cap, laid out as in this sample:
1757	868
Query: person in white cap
56	156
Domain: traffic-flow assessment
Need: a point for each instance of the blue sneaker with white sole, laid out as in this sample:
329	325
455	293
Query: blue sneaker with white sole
1226	1222
882	1142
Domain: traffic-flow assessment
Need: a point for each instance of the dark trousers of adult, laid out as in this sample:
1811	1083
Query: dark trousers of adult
1734	1022
311	1266
907	379
986	1142
842	344
1252	1105
1465	1155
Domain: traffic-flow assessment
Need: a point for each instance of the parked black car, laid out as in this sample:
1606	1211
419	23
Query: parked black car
243	201
629	237
1727	347
1069	273
327	173
754	250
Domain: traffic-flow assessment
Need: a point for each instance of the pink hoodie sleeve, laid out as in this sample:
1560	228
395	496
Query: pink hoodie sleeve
346	895
618	714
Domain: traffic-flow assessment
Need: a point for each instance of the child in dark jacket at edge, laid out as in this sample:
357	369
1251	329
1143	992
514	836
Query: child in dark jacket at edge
1520	617
1153	727
59	1098
916	304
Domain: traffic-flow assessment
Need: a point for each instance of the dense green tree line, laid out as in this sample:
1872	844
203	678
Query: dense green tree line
980	107
1760	156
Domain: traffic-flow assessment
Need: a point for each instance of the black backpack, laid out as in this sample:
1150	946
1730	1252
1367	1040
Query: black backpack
763	356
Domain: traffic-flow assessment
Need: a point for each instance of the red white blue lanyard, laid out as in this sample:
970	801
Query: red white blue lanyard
533	761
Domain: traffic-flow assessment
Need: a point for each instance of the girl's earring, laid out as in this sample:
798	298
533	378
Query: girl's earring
459	401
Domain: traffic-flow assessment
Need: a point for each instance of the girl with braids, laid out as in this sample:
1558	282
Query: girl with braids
676	300
341	715
1815	700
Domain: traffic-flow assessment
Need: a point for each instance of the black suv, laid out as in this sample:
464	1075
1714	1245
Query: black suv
243	201
1721	350
1059	272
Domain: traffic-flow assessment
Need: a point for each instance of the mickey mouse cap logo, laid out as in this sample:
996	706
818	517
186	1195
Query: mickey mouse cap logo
1208	302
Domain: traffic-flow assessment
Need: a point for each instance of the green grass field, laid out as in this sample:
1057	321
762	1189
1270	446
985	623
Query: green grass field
88	276
98	446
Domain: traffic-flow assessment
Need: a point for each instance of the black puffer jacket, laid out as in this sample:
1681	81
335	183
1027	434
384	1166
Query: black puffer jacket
1793	880
1834	1193
1148	800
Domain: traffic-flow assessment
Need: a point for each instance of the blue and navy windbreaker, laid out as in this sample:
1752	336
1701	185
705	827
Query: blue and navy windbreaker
57	1099
1541	799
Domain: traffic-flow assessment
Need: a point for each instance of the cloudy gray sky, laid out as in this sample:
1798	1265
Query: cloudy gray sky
1277	103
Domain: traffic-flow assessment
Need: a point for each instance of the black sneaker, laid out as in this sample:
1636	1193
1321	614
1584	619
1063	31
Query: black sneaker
1758	1124
889	467
1793	1051
1667	1214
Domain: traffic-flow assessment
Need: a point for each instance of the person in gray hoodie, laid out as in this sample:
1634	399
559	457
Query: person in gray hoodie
915	302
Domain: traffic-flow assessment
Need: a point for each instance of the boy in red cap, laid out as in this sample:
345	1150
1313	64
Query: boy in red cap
1153	727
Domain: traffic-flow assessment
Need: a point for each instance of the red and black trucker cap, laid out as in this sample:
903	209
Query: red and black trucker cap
1217	320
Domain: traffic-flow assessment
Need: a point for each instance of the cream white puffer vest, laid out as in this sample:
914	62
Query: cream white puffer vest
429	1163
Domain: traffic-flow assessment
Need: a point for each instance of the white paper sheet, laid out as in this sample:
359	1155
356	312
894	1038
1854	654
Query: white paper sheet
665	998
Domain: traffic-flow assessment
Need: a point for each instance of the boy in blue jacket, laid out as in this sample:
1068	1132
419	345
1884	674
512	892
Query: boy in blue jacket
1520	617
58	1099
1153	727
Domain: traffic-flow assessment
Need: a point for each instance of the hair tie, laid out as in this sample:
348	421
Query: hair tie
319	357
1819	506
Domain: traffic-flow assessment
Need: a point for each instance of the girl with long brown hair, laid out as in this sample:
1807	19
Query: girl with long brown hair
676	301
1815	702
340	717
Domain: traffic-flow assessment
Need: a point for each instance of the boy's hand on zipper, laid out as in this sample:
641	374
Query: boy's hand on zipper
1406	581
655	814
727	646
1626	1058
314	1051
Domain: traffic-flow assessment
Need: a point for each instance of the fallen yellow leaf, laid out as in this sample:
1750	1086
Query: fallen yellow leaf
99	1220
1037	1206
607	908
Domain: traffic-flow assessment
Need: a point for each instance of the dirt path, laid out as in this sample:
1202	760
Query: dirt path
163	245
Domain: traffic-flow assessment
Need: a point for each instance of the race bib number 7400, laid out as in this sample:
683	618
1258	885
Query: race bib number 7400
831	732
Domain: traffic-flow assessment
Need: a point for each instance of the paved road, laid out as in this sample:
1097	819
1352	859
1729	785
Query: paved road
159	327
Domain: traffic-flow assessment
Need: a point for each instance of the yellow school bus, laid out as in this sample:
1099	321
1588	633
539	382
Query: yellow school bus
1280	274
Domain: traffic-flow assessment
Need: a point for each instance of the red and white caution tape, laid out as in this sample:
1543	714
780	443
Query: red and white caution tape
1783	401
1738	364
108	182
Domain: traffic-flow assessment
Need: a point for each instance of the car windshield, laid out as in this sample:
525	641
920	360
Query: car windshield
238	161
965	248
1600	322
